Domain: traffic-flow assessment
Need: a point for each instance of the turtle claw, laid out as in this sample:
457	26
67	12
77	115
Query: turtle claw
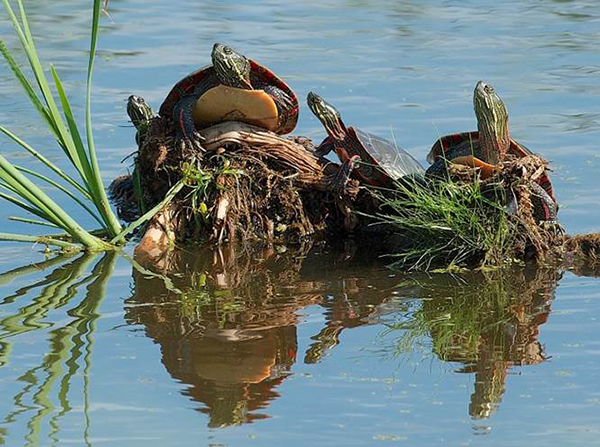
194	143
554	228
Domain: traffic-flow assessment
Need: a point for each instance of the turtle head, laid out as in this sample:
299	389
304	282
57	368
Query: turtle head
138	110
328	115
492	123
231	67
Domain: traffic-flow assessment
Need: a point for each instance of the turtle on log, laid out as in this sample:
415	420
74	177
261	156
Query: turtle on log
233	88
487	147
382	162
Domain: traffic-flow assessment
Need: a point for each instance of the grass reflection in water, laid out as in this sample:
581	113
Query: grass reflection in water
70	345
488	323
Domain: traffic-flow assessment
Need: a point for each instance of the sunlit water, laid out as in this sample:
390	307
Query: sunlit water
316	347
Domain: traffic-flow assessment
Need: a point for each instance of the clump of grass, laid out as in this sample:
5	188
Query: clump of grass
86	188
201	183
449	224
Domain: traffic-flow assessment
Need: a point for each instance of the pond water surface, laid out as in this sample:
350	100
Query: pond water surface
311	346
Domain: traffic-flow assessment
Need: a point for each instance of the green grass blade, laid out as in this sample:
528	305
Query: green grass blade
32	221
7	187
26	207
37	206
67	135
98	193
103	203
64	137
24	22
45	240
36	68
137	190
77	141
168	197
64	190
27	87
45	161
29	191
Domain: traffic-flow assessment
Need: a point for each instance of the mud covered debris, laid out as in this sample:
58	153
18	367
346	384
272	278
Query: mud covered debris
250	184
254	185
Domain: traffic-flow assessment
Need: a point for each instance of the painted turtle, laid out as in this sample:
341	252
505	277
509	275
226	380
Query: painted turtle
382	161
233	88
121	191
487	147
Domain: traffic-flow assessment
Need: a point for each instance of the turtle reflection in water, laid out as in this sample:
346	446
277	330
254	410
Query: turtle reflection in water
488	323
231	336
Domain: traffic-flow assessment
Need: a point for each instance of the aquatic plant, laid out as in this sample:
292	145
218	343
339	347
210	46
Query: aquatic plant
201	181
448	224
87	189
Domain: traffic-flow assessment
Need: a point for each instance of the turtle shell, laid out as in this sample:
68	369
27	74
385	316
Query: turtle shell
448	142
382	160
183	87
260	77
441	146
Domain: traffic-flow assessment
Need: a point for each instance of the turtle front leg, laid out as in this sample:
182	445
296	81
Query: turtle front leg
544	208
287	108
340	179
186	135
324	148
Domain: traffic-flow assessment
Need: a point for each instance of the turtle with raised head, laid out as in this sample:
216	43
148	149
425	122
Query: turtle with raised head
233	88
121	190
487	147
382	162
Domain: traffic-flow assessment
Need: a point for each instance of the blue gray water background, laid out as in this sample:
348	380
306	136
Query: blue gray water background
83	363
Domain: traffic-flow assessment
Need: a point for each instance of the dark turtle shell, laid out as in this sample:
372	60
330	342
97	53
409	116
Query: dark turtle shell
382	161
449	147
260	77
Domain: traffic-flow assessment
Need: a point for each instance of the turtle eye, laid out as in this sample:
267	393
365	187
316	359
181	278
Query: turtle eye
489	89
227	50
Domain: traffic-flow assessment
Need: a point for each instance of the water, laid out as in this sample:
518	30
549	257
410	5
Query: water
325	348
